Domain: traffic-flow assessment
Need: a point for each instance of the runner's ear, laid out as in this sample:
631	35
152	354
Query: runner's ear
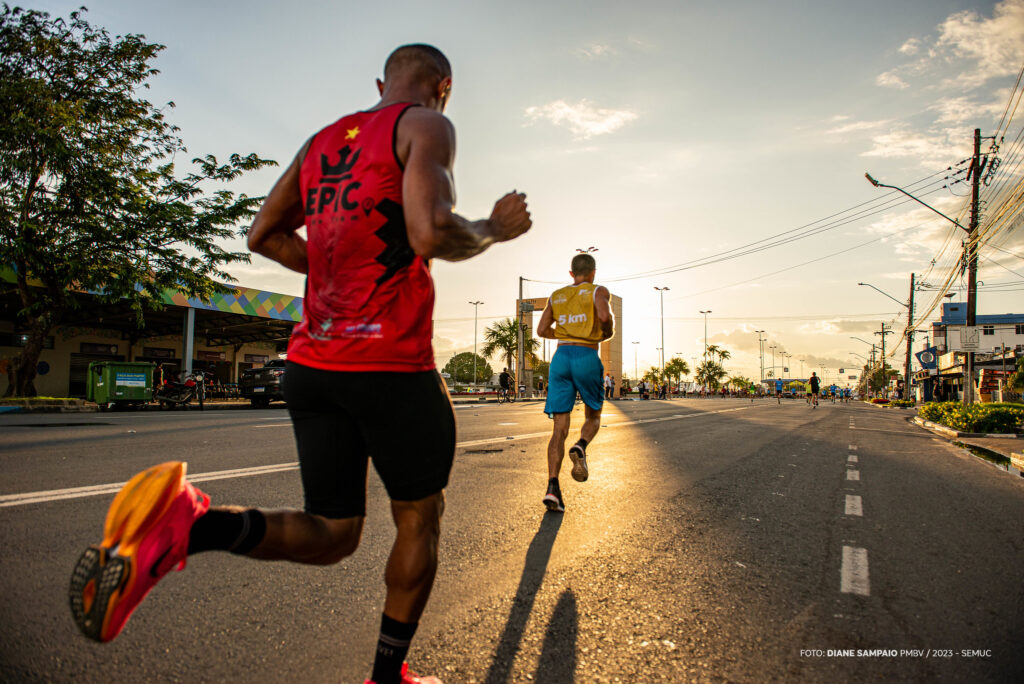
380	87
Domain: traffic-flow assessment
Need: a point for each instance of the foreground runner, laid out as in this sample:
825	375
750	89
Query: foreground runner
374	190
579	317
814	386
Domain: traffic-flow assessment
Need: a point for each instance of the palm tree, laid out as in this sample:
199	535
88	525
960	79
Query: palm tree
653	374
723	354
501	340
677	368
711	351
710	373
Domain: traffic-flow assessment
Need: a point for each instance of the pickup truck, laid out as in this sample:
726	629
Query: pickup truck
263	385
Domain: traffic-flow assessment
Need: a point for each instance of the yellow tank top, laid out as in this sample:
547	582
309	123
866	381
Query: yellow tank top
575	314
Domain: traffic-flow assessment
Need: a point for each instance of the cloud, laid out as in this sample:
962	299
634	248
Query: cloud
932	148
596	51
856	126
889	79
583	118
976	49
962	109
911	47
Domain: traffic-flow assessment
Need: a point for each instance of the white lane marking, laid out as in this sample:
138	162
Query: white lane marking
852	447
852	458
518	424
853	577
854	505
112	488
853	475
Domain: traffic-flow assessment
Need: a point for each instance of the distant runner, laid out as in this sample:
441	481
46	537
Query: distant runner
374	190
505	382
778	390
814	386
579	317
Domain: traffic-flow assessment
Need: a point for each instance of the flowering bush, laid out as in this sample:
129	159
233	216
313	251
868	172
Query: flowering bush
879	400
901	402
1006	418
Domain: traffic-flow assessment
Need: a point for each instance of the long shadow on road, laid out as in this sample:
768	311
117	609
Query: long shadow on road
534	568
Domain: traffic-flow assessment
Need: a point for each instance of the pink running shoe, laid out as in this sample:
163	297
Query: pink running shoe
410	678
145	535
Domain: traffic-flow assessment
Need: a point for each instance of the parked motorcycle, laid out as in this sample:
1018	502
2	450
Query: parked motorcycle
175	394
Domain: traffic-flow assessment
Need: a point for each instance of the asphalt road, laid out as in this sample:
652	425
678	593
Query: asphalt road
715	540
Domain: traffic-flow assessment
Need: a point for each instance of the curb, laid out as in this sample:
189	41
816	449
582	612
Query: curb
49	406
949	432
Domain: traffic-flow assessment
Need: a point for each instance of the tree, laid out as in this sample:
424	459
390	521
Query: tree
710	373
739	382
653	375
89	197
460	367
502	338
677	368
1016	379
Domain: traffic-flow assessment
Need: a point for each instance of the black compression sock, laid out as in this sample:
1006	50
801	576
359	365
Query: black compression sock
582	442
221	530
392	647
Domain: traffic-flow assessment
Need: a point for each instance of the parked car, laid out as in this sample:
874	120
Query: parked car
263	385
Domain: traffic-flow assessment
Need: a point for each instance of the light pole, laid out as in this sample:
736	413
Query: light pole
760	349
706	334
476	308
636	377
785	357
970	258
801	369
588	250
773	347
910	330
661	296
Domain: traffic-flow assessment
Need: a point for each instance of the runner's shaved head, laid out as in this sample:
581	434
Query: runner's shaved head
583	264
419	61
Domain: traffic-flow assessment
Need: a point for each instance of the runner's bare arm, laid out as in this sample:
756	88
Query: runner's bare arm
272	233
546	327
426	142
604	313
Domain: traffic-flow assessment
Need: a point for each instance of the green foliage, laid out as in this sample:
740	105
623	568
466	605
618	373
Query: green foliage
460	367
1016	379
653	375
677	368
90	198
501	340
999	418
710	373
903	403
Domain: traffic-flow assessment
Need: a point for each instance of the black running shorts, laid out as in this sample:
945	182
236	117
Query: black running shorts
403	421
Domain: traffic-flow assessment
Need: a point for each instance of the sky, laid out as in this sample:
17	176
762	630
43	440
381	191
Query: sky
661	133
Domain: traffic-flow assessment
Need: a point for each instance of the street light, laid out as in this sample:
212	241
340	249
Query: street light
760	350
785	362
971	258
476	308
635	376
706	334
588	250
661	296
801	369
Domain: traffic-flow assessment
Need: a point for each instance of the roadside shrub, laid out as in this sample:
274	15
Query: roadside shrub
905	403
879	400
1004	418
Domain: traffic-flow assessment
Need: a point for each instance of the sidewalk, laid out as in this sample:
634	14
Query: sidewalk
1001	447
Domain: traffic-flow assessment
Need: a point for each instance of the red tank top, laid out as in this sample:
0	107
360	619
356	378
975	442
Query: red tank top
369	299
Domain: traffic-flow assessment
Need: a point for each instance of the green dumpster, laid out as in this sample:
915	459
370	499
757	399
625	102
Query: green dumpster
119	383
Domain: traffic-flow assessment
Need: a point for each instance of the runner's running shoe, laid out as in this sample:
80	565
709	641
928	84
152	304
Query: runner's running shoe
411	678
145	535
578	456
553	499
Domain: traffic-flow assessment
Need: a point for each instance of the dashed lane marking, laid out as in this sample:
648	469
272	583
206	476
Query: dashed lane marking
853	447
852	458
853	475
854	506
853	576
7	500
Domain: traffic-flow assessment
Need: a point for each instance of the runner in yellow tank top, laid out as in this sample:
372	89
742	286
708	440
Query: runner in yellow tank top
579	317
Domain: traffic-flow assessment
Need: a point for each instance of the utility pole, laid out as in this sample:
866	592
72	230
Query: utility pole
760	349
476	308
972	263
661	296
910	340
520	377
884	331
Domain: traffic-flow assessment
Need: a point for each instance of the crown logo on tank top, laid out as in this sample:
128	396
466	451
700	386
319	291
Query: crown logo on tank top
334	172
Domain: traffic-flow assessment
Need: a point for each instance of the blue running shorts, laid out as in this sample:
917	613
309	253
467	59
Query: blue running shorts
574	369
